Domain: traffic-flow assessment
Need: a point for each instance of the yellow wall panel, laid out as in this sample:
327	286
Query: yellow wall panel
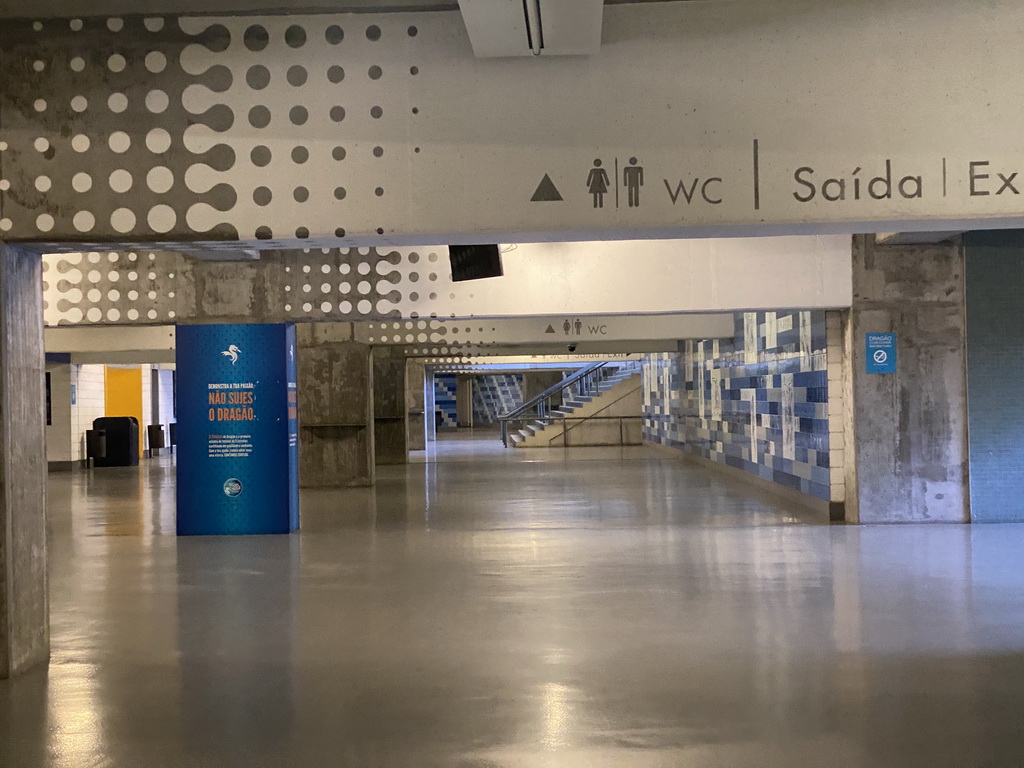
124	395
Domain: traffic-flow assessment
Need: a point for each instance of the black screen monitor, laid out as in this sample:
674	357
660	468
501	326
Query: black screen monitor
474	262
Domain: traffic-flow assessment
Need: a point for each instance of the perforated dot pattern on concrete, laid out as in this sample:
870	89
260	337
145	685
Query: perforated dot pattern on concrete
285	130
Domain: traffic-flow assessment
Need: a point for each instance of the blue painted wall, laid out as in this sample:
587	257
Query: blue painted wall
493	395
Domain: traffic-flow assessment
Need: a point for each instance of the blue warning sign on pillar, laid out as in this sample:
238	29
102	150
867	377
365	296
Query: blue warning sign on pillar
881	352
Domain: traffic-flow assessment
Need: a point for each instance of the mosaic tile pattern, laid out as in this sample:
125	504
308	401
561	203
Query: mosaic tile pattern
495	395
758	403
444	400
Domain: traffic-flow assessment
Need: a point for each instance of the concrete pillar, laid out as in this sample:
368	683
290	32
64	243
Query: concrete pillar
429	407
24	598
464	400
905	436
535	382
336	430
389	405
415	405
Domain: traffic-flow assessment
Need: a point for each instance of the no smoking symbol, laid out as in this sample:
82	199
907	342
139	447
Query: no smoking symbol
881	356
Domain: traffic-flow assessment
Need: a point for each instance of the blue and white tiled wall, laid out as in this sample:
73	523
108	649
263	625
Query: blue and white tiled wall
758	402
494	395
444	399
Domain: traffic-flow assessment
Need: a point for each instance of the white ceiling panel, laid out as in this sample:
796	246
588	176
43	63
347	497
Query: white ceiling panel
499	28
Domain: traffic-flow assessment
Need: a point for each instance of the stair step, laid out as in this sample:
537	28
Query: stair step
521	438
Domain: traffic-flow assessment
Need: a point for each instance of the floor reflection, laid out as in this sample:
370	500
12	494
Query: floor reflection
483	608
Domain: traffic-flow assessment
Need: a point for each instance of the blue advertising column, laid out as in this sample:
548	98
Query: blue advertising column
238	463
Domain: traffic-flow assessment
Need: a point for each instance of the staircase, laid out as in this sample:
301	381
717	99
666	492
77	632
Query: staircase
601	406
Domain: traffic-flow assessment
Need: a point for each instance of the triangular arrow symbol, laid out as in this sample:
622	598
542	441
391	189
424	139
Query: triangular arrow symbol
546	192
551	329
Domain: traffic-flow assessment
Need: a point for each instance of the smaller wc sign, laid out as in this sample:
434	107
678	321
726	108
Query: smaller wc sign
881	352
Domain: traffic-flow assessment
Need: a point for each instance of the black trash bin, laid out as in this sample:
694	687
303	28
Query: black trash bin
95	444
122	443
155	434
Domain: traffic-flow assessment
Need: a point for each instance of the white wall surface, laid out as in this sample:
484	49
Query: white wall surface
540	279
90	381
58	432
167	401
147	402
653	276
563	329
97	341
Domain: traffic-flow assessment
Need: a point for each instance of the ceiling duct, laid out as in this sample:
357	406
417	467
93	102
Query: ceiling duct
499	28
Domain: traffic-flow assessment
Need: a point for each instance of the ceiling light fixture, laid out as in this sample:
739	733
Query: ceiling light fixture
534	32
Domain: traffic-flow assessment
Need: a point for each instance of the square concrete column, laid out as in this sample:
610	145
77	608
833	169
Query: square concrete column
536	382
429	408
336	426
415	405
24	598
389	411
464	400
905	432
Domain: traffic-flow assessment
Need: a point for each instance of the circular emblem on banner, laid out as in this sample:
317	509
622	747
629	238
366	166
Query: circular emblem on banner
881	356
233	487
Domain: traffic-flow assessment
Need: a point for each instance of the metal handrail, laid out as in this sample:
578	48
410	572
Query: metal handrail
588	378
539	402
555	389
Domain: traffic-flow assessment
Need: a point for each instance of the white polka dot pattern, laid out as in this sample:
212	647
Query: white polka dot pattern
288	131
106	287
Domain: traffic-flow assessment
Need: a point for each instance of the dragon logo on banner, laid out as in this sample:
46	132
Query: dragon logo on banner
233	352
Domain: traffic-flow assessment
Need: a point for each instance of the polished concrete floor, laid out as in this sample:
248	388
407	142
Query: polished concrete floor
483	608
